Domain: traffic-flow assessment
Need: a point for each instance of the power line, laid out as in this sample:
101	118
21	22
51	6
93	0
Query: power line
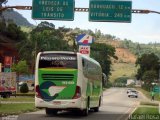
138	11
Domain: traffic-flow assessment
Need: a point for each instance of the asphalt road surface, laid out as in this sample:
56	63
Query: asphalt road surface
116	106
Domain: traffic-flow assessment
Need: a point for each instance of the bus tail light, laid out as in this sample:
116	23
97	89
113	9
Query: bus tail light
77	93
38	91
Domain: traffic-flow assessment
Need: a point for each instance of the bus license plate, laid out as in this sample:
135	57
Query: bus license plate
57	102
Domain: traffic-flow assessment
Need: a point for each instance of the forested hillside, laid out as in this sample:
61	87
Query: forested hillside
135	48
11	15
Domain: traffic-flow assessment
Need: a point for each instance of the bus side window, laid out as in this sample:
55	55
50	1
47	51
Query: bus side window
83	64
85	67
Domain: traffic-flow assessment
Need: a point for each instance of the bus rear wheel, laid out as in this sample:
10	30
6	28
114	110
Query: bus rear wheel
50	111
85	111
96	109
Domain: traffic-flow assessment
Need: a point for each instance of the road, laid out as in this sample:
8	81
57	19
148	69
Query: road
116	106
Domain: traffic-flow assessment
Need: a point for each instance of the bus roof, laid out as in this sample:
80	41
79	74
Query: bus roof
67	52
71	52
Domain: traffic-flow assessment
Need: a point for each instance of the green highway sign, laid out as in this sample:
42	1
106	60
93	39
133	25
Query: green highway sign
110	11
156	89
53	9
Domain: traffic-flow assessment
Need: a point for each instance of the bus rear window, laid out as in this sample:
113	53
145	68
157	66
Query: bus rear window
58	60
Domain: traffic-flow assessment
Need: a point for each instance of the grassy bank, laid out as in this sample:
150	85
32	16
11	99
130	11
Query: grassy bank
14	109
121	70
18	99
8	106
148	94
149	104
146	111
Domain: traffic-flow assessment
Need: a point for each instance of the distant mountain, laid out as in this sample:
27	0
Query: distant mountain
11	15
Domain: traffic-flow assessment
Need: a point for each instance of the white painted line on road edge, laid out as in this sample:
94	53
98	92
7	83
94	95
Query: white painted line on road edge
136	106
129	111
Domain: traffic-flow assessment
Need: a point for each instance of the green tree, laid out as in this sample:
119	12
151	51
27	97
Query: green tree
43	38
70	37
148	69
46	25
121	81
14	32
2	27
20	68
103	54
147	62
24	88
149	77
98	33
138	49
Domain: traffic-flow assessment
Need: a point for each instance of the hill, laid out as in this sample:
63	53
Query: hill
125	65
123	70
127	53
11	15
124	55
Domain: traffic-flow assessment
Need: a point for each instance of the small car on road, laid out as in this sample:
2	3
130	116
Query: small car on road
133	93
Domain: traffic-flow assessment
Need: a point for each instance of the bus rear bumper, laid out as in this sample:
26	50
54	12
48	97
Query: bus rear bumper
61	104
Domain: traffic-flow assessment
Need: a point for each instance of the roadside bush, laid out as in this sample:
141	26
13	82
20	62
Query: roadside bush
109	84
122	80
24	88
132	85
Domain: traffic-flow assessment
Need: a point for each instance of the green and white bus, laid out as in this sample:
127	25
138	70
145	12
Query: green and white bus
67	81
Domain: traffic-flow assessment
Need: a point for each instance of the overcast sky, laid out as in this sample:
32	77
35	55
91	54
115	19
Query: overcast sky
144	28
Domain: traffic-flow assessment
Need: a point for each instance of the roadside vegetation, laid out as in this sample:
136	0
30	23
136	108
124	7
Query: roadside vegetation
18	99
140	49
148	94
17	105
148	70
14	109
146	111
144	103
26	29
122	70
